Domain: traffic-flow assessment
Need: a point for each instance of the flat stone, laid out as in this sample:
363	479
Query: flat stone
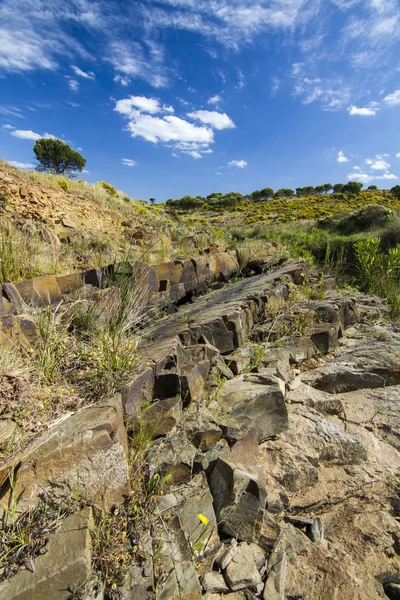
214	582
371	364
40	290
162	416
136	393
178	577
275	585
8	430
256	402
327	404
86	454
242	571
19	331
69	223
65	566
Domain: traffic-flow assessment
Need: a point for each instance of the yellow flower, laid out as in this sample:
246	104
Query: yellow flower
203	519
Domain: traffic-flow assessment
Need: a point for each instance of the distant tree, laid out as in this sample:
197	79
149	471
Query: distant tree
309	190
152	200
396	191
214	195
338	187
319	189
327	187
353	187
267	192
284	192
256	195
299	191
56	157
372	187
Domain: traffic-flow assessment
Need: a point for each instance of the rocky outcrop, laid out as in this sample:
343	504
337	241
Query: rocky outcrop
274	425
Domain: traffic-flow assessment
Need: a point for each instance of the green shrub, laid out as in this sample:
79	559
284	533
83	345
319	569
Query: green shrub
63	183
110	189
390	238
372	216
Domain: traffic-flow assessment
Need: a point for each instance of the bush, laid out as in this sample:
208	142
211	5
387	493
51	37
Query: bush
64	185
370	217
390	238
110	189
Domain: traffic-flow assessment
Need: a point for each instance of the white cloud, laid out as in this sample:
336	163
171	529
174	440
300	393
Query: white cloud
168	129
378	163
20	165
73	84
213	118
28	134
362	112
79	73
133	60
147	119
134	104
124	81
341	158
398	155
215	99
368	172
241	164
7	126
128	162
392	99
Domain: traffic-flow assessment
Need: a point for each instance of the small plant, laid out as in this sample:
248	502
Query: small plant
257	356
63	183
198	544
110	189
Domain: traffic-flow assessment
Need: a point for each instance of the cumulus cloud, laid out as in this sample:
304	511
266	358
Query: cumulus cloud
341	158
7	126
398	155
241	164
392	99
20	165
215	99
213	118
378	163
151	120
128	162
370	170
130	106
168	129
28	134
362	111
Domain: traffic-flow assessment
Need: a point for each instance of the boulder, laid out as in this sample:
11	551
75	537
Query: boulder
136	393
256	402
40	290
66	566
85	454
239	499
370	364
161	416
19	331
242	571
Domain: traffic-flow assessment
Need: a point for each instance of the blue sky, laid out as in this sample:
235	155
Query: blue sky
173	97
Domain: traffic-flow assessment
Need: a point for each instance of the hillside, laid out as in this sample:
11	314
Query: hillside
195	404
